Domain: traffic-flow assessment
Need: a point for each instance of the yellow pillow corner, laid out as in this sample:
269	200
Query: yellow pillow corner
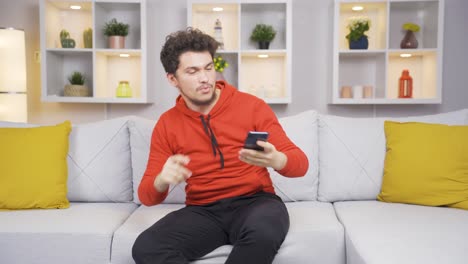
425	164
34	167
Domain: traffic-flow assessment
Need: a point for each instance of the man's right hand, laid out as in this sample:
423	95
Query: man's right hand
173	172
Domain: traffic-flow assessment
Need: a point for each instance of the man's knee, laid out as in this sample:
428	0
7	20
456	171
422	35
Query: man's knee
149	249
139	249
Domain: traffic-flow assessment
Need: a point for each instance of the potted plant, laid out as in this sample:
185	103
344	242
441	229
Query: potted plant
65	39
76	86
88	38
409	41
263	34
356	37
116	33
220	64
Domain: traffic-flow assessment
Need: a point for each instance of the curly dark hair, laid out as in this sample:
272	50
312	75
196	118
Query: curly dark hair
190	39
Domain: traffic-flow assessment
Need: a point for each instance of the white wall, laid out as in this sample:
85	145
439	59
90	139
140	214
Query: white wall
312	58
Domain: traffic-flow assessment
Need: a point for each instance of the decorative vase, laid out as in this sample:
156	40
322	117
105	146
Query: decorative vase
368	91
124	90
76	90
68	43
346	92
361	43
263	44
117	42
409	41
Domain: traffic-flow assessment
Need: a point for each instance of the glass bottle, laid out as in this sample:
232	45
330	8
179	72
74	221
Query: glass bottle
124	89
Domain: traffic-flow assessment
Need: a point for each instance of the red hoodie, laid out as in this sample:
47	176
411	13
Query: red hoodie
181	131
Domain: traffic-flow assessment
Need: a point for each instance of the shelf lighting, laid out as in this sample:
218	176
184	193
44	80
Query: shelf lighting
262	56
218	9
357	8
75	7
405	55
124	55
13	86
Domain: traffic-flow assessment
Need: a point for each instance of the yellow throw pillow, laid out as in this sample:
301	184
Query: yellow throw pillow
33	171
426	164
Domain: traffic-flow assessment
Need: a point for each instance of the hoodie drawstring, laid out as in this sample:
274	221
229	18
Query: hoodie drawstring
214	142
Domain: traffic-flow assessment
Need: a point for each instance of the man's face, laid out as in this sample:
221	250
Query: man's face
195	78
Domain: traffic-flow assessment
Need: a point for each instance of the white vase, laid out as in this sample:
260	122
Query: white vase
357	91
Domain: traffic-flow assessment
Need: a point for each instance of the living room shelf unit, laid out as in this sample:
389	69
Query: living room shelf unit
102	67
381	64
265	73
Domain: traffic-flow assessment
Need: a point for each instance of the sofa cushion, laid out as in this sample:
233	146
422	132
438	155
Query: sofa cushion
141	130
80	234
314	234
34	167
300	128
389	233
99	168
426	164
352	153
99	162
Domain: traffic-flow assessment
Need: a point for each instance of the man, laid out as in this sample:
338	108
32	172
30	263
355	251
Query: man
230	196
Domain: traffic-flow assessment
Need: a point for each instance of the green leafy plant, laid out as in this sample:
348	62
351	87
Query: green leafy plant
411	27
88	38
263	32
220	64
115	28
64	34
76	78
357	26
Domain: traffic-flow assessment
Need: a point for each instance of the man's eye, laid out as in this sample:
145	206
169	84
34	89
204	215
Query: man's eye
191	72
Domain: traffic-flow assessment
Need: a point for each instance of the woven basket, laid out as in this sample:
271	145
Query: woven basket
76	90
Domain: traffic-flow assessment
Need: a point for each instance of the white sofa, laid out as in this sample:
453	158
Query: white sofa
335	218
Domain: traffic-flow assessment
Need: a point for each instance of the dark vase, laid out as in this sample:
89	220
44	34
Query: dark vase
263	44
409	41
361	43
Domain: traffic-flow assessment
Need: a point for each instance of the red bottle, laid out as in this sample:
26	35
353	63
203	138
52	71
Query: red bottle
405	85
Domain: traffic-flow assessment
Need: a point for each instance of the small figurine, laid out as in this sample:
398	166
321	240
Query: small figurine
218	34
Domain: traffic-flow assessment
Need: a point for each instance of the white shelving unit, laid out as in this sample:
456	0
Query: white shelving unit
268	78
381	65
102	67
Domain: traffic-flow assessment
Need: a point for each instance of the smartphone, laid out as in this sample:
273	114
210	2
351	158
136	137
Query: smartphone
252	137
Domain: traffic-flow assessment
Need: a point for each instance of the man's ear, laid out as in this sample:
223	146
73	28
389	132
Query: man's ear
172	79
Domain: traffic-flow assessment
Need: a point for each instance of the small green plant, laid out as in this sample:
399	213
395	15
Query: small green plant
220	64
64	34
88	38
357	26
263	32
76	78
411	27
115	28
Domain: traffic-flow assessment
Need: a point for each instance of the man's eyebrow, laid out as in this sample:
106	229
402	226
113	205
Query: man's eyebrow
197	68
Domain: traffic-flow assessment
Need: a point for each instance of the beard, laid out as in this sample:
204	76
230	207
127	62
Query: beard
200	102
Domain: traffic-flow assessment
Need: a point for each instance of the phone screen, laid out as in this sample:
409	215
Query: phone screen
252	137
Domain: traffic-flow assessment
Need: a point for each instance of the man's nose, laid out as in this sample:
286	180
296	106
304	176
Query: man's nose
203	76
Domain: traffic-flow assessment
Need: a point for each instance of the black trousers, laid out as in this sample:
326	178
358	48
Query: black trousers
255	225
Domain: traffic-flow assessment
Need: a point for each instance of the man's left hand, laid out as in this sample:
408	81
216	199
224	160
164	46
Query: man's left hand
269	157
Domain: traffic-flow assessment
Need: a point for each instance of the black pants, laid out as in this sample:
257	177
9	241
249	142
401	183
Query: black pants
255	225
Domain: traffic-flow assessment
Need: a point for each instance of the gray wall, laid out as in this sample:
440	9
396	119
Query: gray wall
312	64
